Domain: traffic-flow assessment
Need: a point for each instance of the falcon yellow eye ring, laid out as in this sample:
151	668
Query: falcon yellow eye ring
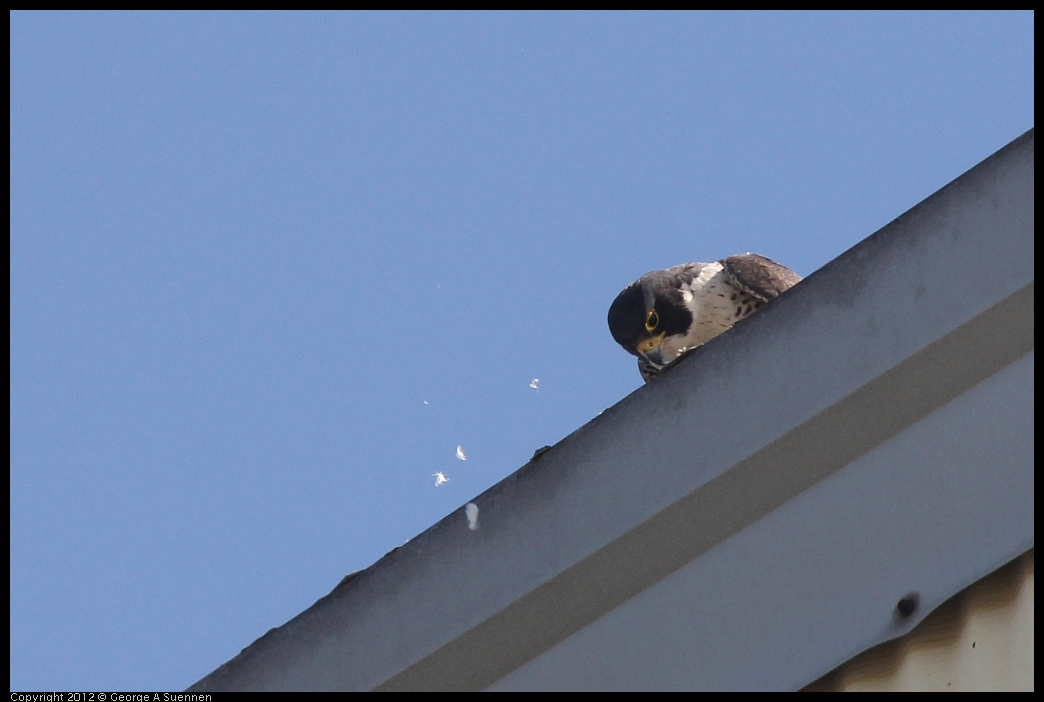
652	321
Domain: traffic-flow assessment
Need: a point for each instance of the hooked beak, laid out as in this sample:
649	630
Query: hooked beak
655	356
652	349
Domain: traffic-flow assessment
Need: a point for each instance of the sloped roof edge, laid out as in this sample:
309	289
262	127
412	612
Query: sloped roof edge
862	351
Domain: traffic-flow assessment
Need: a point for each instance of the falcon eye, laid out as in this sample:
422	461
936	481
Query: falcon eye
652	321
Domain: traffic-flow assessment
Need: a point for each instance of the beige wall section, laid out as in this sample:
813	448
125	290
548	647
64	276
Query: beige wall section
979	639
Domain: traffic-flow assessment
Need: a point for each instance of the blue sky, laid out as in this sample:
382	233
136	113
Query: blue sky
268	271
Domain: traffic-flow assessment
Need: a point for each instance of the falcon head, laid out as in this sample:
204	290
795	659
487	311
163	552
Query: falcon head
651	318
664	314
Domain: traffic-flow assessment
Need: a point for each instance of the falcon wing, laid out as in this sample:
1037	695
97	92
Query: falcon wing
758	276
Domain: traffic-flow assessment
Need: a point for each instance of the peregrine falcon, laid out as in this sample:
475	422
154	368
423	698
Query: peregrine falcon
666	313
